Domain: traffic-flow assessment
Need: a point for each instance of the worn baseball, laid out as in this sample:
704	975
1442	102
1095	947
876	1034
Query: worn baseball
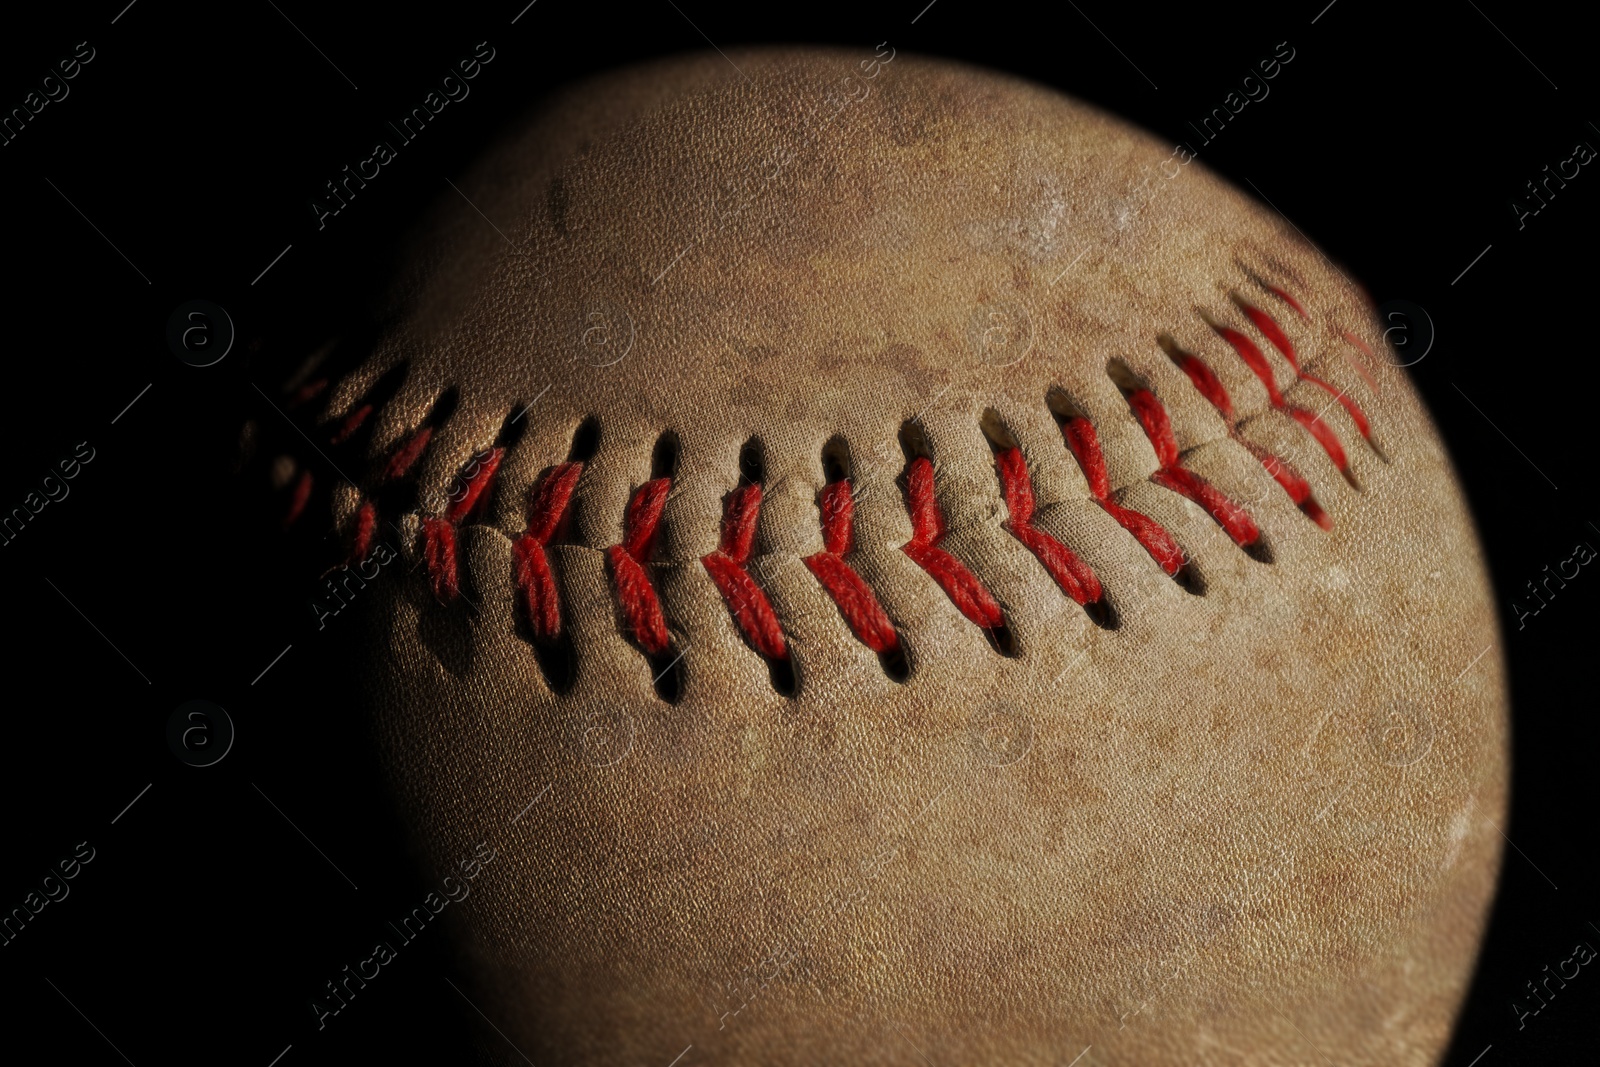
904	568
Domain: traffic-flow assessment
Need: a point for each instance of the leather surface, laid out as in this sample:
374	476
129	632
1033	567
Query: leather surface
1253	826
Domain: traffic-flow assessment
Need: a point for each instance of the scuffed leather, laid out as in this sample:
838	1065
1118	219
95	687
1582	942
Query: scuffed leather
1204	837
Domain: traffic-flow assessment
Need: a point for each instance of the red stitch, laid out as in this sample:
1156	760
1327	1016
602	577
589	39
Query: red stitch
547	509
1325	437
1175	476
1361	346
361	533
299	499
1253	359
1206	381
927	530
547	506
475	488
1273	332
838	517
1294	484
1287	299
439	553
1070	573
641	608
352	422
440	544
1280	340
406	455
637	598
860	608
749	604
1085	446
307	392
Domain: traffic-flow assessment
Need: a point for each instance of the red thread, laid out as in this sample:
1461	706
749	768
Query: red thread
298	499
748	602
352	422
400	462
927	530
439	535
307	392
1294	484
860	608
1280	340
1210	387
547	510
362	531
1361	346
641	608
405	456
1070	573
1175	476
475	486
1291	301
439	553
1085	446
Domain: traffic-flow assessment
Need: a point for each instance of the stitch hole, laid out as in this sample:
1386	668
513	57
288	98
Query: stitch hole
1259	550
914	441
836	464
1124	377
1103	614
557	658
782	674
752	467
443	408
1062	406
666	673
896	664
585	441
1190	580
664	457
511	431
1002	640
995	431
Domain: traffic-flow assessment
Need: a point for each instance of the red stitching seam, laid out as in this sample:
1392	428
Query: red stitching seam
857	603
1085	446
749	604
1209	386
1235	520
641	608
927	530
547	514
550	501
1070	573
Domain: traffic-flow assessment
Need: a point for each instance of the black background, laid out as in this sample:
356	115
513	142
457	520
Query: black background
193	143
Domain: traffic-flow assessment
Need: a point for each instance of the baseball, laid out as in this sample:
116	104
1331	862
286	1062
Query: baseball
897	566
